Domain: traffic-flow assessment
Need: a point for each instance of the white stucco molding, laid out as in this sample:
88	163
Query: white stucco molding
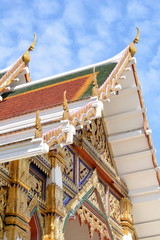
20	150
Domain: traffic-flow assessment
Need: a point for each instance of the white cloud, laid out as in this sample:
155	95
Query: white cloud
91	53
47	8
137	9
110	14
74	13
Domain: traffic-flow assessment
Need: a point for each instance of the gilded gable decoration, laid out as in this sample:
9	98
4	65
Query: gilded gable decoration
94	133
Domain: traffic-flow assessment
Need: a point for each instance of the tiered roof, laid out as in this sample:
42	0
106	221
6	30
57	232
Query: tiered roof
89	90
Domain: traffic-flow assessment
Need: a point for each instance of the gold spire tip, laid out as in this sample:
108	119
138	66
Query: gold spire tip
26	56
33	43
136	40
132	47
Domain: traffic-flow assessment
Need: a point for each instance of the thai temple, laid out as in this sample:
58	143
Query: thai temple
76	155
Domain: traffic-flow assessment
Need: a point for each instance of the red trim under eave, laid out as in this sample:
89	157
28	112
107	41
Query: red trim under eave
93	164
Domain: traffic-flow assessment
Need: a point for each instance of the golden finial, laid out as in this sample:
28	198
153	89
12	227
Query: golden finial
26	56
65	107
95	85
132	47
38	132
33	43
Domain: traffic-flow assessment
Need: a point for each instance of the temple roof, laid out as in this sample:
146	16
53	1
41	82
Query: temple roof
49	92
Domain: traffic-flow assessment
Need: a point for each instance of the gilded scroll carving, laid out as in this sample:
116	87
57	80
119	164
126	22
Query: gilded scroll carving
95	134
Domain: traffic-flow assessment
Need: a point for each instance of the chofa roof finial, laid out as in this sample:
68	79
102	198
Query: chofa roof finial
132	47
26	56
95	85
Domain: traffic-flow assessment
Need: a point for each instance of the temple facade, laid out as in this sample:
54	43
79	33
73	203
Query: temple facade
76	154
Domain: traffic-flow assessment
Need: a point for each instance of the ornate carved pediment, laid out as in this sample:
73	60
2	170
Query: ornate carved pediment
95	224
88	206
94	134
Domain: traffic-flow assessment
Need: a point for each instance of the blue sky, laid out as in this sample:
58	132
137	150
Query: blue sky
76	33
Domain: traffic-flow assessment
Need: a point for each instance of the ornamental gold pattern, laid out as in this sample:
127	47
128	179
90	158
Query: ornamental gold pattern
94	223
114	204
95	134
